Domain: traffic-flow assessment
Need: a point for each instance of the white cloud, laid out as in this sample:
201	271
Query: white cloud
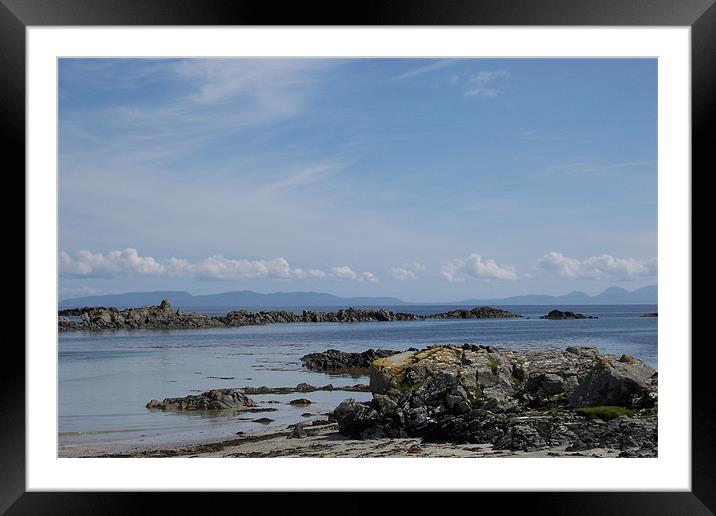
113	263
344	272
474	266
407	272
603	267
129	263
482	84
218	267
402	273
368	276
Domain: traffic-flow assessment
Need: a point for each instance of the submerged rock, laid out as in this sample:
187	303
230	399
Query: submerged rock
513	400
305	387
557	315
334	360
217	399
300	402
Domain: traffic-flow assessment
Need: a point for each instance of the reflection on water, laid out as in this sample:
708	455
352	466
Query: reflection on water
105	379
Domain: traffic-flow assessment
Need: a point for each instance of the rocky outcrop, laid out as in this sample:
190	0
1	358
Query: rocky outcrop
337	361
558	315
650	314
217	399
479	312
150	317
513	400
79	311
305	387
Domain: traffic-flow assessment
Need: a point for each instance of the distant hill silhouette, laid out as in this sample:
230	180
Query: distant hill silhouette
611	296
250	299
242	298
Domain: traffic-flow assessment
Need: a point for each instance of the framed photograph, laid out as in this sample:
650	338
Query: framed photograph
413	249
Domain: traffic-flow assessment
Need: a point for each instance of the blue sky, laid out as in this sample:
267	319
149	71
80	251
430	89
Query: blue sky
426	179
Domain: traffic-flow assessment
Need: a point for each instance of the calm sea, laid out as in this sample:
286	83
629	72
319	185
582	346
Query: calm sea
105	379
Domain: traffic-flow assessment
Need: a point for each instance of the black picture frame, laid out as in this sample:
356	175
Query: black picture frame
700	15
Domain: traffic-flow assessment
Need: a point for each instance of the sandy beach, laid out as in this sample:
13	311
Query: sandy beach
321	441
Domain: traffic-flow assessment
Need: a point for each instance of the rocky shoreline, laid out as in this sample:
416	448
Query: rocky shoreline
165	317
546	402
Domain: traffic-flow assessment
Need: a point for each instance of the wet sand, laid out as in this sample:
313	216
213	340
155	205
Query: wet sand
321	441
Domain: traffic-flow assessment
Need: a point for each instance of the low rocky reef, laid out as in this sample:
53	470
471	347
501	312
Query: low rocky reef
333	360
79	310
216	399
574	398
238	400
480	312
148	317
165	317
557	315
650	314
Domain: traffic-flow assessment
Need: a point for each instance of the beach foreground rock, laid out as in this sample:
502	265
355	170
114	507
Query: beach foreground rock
575	398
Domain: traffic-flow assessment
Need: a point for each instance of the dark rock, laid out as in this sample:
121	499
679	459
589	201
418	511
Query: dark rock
263	420
80	311
479	312
357	315
164	317
217	399
650	314
557	315
298	432
305	387
300	402
334	360
150	317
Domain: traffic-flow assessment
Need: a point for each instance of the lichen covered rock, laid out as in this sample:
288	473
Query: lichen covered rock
514	400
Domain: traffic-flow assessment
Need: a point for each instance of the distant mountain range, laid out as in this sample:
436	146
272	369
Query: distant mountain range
611	296
250	299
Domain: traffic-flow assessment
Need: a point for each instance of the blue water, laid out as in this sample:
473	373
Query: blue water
105	379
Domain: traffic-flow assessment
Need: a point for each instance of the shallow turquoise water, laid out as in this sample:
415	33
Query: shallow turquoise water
105	379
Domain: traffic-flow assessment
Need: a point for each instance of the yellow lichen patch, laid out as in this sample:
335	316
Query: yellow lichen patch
445	354
607	361
393	364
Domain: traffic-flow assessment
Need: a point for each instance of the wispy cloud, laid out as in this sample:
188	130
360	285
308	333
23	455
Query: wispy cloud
306	176
428	68
482	84
602	267
129	262
591	168
474	266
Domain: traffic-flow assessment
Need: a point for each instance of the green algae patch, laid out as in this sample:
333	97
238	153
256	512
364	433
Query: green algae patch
493	363
605	412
